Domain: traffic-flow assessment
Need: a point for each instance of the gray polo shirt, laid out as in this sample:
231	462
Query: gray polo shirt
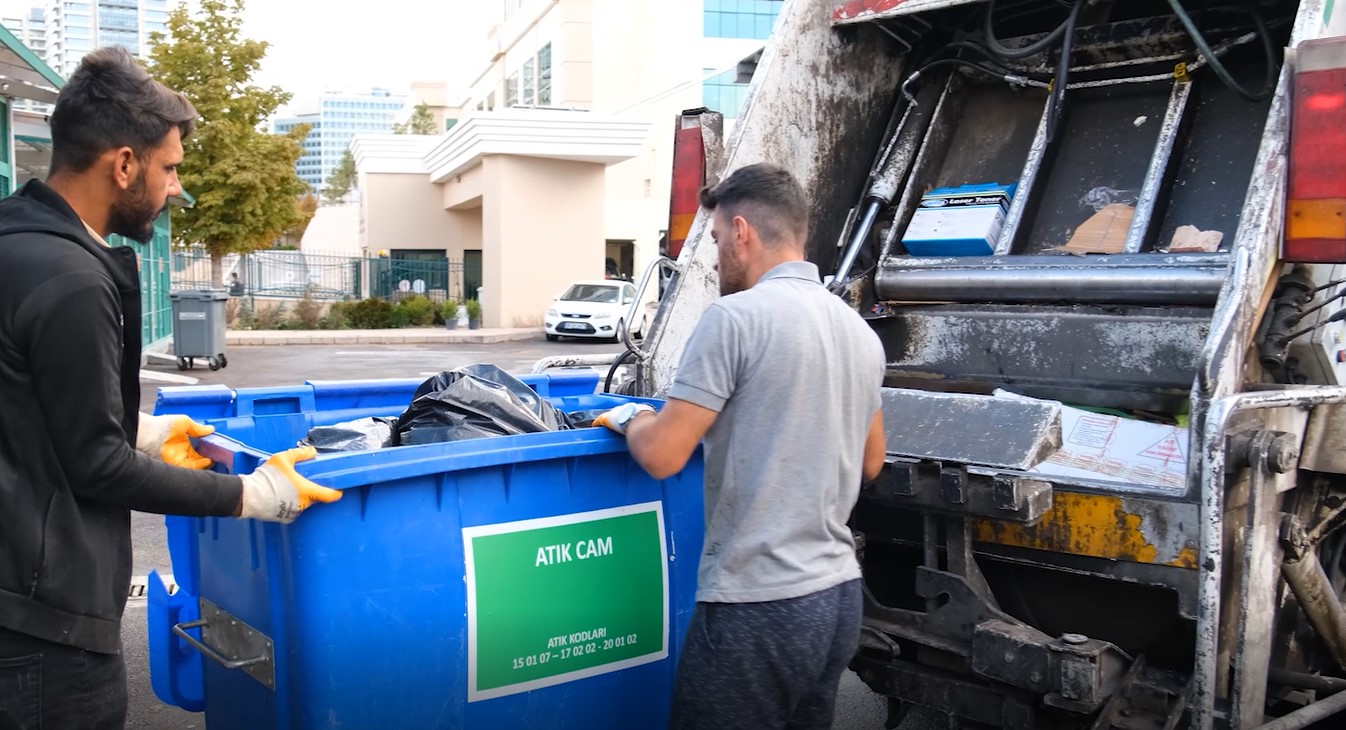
795	375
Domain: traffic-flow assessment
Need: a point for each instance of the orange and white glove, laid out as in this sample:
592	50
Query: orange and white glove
617	418
169	439
276	493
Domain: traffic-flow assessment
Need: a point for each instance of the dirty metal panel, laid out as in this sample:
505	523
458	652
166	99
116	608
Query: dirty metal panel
790	119
993	136
867	11
970	429
1325	441
1105	148
1216	163
1102	526
1118	357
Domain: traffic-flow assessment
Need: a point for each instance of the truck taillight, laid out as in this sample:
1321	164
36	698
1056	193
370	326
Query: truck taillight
689	174
1315	210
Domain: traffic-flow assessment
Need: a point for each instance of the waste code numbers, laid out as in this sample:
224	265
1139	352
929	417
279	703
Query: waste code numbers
558	599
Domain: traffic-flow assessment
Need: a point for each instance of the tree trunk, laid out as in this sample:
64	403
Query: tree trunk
216	270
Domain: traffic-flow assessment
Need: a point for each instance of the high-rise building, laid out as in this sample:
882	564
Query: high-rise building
340	117
31	30
75	27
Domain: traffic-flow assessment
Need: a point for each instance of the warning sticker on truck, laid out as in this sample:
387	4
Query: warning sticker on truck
559	599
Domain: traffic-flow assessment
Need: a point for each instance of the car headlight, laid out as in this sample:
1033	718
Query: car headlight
552	313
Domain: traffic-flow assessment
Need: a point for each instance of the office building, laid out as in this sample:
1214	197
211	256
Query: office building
564	152
340	116
76	27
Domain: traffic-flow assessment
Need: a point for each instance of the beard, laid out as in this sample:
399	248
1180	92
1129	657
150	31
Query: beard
731	277
134	213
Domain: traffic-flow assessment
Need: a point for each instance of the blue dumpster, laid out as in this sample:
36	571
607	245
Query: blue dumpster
533	581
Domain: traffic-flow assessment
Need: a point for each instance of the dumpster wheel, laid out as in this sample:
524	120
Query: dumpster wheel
185	363
215	362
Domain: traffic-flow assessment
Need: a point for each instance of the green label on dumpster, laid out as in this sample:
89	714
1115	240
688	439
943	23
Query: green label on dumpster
558	599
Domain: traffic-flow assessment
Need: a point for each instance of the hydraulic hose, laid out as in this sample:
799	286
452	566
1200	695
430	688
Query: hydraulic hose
1218	66
1015	54
612	371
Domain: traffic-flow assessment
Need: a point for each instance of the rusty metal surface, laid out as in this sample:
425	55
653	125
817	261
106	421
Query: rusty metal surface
848	12
970	429
1130	529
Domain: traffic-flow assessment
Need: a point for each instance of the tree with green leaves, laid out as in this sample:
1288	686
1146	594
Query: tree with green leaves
243	178
341	181
420	122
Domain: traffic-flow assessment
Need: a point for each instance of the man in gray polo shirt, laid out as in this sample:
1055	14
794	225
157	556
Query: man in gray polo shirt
782	380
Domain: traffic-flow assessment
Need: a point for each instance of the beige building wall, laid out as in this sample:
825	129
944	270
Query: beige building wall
534	253
402	211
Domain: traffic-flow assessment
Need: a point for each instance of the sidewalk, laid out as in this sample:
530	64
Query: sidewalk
408	336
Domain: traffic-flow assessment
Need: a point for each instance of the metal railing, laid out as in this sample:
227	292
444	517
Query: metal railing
295	274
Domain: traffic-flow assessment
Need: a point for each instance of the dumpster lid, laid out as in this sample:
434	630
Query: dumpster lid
202	294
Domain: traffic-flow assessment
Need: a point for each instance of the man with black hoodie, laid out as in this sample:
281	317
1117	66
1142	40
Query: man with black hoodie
76	456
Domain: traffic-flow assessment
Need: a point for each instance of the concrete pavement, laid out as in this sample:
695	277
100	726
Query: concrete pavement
405	336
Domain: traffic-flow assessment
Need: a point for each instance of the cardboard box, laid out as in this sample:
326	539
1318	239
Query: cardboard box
1106	448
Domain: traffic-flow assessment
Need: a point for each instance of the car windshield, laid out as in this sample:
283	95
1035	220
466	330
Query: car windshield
591	293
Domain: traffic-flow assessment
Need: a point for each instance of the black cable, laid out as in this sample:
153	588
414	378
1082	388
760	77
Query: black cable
938	63
1058	97
607	384
1218	66
1014	54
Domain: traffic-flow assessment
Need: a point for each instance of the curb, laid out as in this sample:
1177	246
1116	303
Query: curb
425	336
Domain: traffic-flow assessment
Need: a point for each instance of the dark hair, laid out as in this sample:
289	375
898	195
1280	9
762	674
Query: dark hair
767	196
111	102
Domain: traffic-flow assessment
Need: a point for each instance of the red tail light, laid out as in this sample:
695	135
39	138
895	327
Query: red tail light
689	174
1315	210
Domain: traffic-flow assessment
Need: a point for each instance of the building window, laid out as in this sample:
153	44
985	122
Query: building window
529	84
721	94
740	18
544	76
512	90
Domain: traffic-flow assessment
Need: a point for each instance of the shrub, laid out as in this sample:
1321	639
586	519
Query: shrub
371	314
272	318
245	318
417	312
448	310
338	317
473	309
308	313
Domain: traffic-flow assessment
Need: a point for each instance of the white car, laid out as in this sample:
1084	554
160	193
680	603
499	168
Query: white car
592	309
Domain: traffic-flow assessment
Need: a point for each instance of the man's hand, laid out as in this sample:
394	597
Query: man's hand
276	493
618	418
169	439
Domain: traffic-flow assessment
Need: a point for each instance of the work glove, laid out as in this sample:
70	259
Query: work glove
169	439
275	493
617	418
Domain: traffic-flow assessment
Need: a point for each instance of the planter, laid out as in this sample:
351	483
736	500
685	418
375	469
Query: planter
451	324
474	324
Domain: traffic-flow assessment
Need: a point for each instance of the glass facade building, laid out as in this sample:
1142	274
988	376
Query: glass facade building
339	118
745	19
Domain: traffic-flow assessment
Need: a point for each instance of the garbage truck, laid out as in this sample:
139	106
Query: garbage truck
1102	242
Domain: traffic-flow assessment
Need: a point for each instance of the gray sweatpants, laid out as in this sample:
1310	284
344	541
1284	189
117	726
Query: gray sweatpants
758	666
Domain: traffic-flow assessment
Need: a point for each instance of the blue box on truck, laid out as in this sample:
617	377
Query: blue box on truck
533	581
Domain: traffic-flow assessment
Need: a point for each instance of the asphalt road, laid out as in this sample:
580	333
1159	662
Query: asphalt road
857	707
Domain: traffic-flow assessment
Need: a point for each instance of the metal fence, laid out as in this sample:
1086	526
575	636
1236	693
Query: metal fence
292	274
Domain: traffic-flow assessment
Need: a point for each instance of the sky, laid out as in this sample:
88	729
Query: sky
357	44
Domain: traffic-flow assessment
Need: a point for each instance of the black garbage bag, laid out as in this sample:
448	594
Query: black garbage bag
475	401
359	435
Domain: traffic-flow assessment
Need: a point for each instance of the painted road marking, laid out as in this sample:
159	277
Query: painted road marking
140	586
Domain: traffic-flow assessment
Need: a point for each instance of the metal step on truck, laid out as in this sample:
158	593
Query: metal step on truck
1102	242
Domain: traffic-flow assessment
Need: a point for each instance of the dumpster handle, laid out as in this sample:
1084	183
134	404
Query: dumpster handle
234	637
210	652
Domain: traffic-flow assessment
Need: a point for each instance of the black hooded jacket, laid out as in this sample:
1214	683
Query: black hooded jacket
69	406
